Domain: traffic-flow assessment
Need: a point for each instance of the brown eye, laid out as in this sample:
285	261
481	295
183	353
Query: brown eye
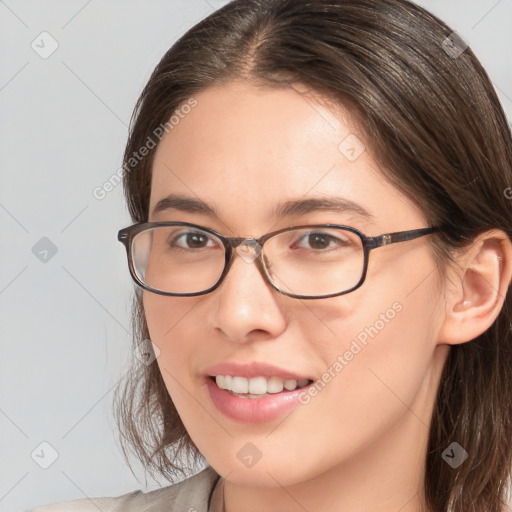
195	240
318	241
191	240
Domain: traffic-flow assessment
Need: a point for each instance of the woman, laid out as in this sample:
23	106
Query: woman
323	258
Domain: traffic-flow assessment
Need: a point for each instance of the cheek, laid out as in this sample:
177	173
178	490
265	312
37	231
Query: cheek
172	331
379	354
166	316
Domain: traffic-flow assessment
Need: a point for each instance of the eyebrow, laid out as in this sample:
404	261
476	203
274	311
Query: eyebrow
297	207
184	204
334	204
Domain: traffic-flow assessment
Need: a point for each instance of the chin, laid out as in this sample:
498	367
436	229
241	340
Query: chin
270	473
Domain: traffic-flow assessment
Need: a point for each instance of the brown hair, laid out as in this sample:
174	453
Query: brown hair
438	131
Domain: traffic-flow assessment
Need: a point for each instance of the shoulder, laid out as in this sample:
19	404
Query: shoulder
193	493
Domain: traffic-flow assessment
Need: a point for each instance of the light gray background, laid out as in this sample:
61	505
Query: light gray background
65	322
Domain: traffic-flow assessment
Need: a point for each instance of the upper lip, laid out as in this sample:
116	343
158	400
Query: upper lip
253	369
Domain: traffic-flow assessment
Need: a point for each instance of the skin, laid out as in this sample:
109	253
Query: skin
360	444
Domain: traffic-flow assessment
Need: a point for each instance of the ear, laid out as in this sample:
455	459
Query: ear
476	288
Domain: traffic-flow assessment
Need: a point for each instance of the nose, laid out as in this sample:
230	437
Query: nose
245	306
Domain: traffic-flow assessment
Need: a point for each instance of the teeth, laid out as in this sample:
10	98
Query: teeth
275	385
257	385
290	385
239	385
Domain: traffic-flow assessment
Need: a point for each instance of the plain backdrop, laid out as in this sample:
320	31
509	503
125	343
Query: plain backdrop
65	291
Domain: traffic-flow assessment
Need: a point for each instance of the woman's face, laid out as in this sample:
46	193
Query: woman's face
245	152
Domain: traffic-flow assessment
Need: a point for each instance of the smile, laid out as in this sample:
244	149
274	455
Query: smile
255	403
258	387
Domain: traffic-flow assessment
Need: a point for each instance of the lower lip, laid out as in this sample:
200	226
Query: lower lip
253	410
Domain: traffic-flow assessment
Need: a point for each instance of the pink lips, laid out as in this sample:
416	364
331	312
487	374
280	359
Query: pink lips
252	410
253	369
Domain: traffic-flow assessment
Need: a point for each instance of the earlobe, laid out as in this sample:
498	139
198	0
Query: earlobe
477	288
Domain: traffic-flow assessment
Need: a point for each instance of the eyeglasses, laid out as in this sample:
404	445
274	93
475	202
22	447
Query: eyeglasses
305	262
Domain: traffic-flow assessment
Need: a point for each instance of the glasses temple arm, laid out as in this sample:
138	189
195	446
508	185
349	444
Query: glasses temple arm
400	236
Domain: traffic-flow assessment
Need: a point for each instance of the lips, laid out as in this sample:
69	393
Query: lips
254	392
254	369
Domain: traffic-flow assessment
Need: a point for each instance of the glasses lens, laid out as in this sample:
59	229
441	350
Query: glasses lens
315	261
178	259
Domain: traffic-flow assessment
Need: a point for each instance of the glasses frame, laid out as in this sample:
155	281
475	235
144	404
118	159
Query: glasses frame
126	236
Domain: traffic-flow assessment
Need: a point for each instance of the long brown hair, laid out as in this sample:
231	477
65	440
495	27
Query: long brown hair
434	123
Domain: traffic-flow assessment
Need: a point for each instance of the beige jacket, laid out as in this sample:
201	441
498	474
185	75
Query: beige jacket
200	493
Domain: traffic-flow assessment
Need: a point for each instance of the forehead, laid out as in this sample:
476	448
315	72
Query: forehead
244	149
235	123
